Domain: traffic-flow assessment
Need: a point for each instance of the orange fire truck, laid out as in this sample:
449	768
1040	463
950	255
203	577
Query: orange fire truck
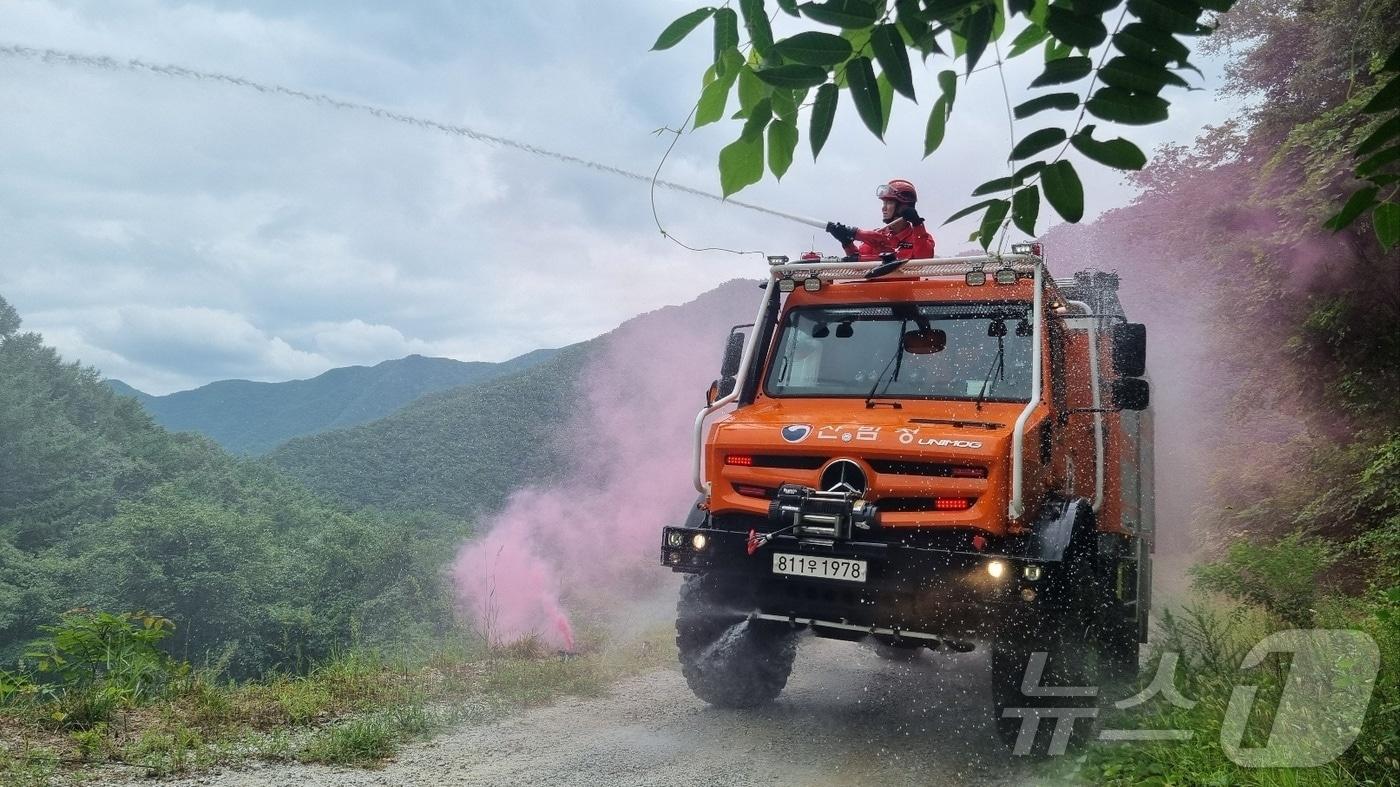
927	454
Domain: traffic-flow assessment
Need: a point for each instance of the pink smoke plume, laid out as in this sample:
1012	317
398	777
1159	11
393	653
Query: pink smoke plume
627	452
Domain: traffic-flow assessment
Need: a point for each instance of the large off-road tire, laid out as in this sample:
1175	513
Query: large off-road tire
1070	662
728	660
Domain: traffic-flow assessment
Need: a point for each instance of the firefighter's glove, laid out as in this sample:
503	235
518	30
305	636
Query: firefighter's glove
842	233
912	216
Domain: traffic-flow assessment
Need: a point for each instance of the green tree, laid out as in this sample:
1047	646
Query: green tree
845	41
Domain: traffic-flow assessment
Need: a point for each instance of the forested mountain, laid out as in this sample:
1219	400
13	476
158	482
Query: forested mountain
101	507
252	418
463	450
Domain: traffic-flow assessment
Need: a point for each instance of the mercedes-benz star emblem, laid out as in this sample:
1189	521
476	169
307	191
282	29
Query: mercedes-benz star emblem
843	475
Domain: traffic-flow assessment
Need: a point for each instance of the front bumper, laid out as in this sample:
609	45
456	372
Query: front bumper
909	591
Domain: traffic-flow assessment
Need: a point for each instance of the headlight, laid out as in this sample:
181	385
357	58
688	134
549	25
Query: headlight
674	538
698	541
996	568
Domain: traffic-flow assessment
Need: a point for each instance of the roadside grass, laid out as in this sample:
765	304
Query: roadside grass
358	708
1213	635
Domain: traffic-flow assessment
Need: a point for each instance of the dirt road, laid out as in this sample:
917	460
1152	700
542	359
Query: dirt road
847	717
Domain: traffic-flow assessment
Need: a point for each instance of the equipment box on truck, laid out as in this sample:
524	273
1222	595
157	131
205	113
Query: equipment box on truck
927	454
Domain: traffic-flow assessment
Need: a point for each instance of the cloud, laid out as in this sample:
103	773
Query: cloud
278	220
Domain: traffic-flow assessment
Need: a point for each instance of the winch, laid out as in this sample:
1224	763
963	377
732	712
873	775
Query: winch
811	512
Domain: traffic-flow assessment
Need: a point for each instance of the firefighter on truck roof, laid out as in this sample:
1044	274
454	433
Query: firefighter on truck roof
903	234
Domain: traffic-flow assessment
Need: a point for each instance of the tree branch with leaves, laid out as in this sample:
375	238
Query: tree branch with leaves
848	39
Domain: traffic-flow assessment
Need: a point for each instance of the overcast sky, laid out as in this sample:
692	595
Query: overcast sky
173	231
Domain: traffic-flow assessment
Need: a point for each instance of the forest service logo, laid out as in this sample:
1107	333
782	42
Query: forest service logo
796	433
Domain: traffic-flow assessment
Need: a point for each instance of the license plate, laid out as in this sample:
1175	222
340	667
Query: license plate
821	567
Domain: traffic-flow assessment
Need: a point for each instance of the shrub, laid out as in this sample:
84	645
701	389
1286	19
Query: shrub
1281	577
104	656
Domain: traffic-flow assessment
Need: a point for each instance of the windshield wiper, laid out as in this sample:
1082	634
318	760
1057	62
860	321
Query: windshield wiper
896	359
998	366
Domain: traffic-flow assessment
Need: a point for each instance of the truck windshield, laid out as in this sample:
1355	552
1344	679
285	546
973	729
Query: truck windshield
835	351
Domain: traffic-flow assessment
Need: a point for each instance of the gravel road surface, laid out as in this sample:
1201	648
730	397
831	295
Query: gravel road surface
847	717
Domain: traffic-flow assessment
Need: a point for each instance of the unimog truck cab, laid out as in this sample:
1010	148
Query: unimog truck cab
933	454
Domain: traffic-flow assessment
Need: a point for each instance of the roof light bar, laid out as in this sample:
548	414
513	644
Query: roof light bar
1028	248
777	259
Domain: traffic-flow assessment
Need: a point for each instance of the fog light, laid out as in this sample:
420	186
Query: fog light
1006	276
996	568
1031	572
786	285
698	541
673	557
1028	594
674	538
812	285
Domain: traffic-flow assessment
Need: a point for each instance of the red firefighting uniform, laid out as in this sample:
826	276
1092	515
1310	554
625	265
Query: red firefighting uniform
912	243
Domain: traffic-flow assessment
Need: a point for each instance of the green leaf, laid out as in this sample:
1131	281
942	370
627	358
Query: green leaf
860	80
995	185
1083	31
793	76
1027	171
1356	205
1387	222
729	63
782	141
1138	75
1037	141
1149	43
948	83
1120	106
937	126
784	104
1174	16
886	102
1063	70
823	113
1028	39
1061	101
815	49
759	116
740	164
1374	163
726	31
713	99
679	29
1380	136
991	221
978	32
1025	209
916	27
846	14
756	22
893	58
1056	49
751	90
1387	99
969	210
789	7
1063	190
1118	153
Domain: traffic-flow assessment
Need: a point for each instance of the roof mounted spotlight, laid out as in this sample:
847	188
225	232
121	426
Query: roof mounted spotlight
1035	249
975	277
812	284
1005	275
786	285
777	259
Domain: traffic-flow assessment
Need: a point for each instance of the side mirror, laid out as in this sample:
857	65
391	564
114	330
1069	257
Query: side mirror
733	353
1129	349
1130	393
718	390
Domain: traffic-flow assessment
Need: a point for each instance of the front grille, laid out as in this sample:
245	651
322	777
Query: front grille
902	467
789	462
912	504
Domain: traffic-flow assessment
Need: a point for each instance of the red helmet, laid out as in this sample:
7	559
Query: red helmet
899	191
